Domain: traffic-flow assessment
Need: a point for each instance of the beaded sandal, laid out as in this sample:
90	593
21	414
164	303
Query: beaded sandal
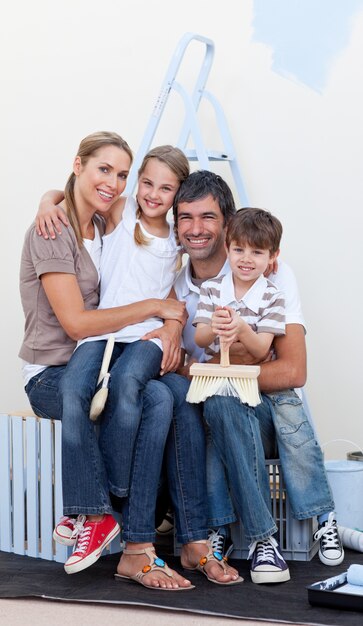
155	565
213	556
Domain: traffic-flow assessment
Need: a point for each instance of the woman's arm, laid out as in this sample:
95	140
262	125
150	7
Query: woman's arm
66	300
50	216
170	334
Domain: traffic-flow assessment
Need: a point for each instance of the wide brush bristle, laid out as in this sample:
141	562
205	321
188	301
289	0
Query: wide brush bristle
203	387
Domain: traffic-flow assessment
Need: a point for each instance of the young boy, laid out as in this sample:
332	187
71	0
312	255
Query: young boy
242	306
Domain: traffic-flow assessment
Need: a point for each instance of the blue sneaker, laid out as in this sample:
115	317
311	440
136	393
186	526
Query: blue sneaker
220	541
268	564
331	551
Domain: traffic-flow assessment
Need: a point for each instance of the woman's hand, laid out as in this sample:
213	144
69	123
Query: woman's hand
171	309
170	336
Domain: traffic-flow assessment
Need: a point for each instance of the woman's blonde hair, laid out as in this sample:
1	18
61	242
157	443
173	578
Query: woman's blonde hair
176	161
87	148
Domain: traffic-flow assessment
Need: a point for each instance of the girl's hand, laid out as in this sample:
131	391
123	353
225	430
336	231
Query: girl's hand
48	220
272	267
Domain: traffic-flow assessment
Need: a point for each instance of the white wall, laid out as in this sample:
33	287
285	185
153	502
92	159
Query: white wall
80	65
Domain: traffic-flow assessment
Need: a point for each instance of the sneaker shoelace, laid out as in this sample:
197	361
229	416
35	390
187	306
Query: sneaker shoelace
82	533
217	541
329	534
265	550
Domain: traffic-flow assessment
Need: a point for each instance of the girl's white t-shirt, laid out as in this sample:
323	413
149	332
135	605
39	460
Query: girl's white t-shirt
131	273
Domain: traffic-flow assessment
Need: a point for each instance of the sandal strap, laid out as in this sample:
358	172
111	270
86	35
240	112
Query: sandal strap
155	563
143	551
214	556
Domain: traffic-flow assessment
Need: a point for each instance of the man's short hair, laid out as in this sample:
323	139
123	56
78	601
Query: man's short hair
257	227
204	183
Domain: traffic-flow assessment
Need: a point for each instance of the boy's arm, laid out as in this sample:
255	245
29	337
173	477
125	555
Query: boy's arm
50	216
235	329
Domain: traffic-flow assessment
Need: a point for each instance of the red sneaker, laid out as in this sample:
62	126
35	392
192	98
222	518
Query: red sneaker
64	531
92	538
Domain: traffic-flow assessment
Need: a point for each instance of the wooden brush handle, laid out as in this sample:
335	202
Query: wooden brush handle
224	350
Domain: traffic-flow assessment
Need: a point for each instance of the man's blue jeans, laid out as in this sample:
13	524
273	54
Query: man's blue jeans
287	433
185	461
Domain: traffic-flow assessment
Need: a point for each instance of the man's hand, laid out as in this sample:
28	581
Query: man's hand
184	370
170	337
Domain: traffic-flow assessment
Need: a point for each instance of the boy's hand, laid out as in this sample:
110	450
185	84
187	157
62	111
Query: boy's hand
226	324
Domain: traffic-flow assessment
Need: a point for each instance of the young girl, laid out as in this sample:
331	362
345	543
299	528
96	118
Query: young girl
139	258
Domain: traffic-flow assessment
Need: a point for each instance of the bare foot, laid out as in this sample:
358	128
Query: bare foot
192	552
131	564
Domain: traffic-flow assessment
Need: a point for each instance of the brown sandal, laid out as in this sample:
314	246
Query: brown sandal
155	565
213	556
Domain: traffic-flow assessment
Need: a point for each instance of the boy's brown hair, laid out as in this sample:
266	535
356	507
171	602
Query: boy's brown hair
257	227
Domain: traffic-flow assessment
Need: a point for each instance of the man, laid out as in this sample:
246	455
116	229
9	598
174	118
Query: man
202	208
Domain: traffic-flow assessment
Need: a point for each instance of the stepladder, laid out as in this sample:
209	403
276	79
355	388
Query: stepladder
193	97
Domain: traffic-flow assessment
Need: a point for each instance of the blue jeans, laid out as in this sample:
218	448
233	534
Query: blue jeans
94	466
287	433
133	365
235	431
186	463
43	392
65	393
220	508
138	509
181	433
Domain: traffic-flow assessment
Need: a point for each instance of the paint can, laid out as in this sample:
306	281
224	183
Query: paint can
346	482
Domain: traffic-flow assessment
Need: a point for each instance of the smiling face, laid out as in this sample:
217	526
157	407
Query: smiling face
248	262
102	179
201	229
157	187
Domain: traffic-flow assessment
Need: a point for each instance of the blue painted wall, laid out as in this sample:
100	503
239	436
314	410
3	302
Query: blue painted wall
305	35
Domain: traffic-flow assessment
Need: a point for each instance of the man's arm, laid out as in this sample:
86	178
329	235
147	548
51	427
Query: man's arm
289	368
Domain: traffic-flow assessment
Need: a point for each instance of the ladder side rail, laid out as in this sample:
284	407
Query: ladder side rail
198	89
164	95
194	130
229	146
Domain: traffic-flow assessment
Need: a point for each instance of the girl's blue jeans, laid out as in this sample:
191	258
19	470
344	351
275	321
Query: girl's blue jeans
128	450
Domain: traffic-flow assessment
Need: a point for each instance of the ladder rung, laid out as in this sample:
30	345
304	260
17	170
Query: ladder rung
213	155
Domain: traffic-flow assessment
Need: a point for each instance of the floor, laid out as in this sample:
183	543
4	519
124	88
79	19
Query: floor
43	612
